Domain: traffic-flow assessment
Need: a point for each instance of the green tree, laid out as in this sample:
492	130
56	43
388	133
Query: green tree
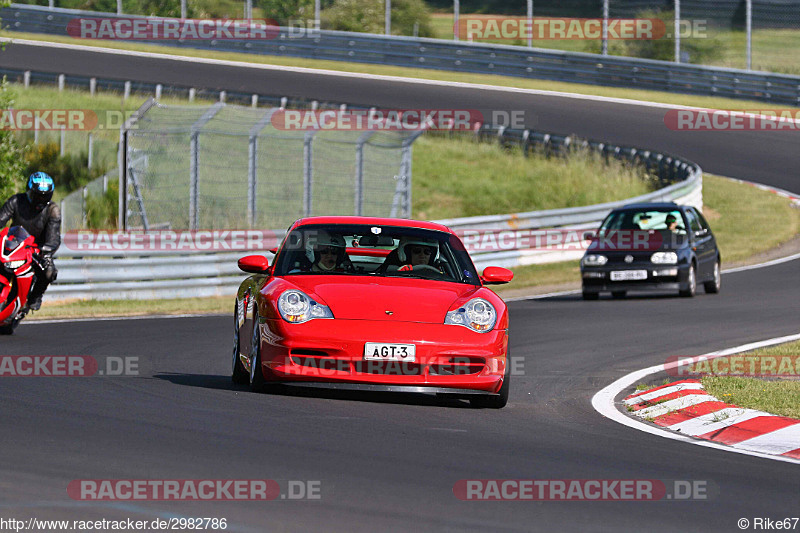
368	16
282	11
12	166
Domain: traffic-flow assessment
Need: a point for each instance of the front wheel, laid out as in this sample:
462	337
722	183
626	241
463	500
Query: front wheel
587	295
9	328
691	287
499	400
239	374
257	381
713	286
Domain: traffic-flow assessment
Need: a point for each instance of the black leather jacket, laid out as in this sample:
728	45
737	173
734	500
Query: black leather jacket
44	225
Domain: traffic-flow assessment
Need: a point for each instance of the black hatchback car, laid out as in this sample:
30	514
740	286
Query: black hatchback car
647	247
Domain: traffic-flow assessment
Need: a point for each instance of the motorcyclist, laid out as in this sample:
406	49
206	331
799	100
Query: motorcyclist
34	211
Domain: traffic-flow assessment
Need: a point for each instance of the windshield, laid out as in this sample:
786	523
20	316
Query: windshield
16	236
646	219
380	251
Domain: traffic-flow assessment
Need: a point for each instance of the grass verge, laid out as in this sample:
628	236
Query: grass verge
460	178
430	74
776	396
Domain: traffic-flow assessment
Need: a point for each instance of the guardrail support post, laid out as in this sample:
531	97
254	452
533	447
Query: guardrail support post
158	91
92	86
127	91
89	155
192	93
254	101
26	78
61	79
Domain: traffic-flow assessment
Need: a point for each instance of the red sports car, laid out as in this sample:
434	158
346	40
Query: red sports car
374	304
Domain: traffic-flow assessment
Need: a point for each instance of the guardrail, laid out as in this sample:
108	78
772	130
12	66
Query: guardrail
149	275
460	56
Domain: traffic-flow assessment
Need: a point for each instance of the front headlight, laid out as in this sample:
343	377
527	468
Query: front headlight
664	258
296	307
477	315
594	260
13	265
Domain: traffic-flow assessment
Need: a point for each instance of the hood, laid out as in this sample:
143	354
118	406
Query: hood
359	298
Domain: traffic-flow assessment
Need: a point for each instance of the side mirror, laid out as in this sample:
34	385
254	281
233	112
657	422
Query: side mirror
273	251
496	275
589	235
255	264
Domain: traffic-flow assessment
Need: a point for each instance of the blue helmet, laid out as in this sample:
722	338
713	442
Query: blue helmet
40	190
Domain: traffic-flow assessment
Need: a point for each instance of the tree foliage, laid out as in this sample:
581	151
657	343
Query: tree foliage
368	16
12	179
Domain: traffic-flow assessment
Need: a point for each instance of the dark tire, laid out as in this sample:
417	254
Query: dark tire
257	381
499	400
691	290
9	328
713	286
590	295
239	375
618	294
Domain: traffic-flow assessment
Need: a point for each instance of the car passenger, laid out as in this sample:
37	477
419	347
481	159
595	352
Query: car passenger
411	252
327	253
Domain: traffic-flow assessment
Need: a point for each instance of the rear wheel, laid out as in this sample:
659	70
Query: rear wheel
618	294
257	381
691	287
239	375
499	400
713	286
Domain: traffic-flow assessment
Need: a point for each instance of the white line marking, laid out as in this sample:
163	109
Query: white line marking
715	421
603	401
661	392
779	441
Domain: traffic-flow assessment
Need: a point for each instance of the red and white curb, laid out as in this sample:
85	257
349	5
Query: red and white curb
604	403
685	407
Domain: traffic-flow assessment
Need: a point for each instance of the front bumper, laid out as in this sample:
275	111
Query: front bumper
659	278
332	351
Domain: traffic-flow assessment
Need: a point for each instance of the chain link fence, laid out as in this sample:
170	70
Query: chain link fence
228	166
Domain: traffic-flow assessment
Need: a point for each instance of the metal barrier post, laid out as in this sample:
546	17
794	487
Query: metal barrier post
359	188
194	163
252	167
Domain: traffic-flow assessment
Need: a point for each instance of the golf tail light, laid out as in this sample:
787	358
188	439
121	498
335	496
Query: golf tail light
296	307
477	315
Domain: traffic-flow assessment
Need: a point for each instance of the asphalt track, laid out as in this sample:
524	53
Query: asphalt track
389	463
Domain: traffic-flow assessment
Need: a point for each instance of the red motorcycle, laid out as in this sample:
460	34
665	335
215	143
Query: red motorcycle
18	251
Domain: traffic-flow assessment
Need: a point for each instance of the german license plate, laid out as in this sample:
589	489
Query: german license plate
626	275
382	351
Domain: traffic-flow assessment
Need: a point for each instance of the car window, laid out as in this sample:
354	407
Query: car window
701	219
693	223
649	219
387	251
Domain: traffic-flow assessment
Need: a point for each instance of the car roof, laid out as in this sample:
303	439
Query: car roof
650	205
372	221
